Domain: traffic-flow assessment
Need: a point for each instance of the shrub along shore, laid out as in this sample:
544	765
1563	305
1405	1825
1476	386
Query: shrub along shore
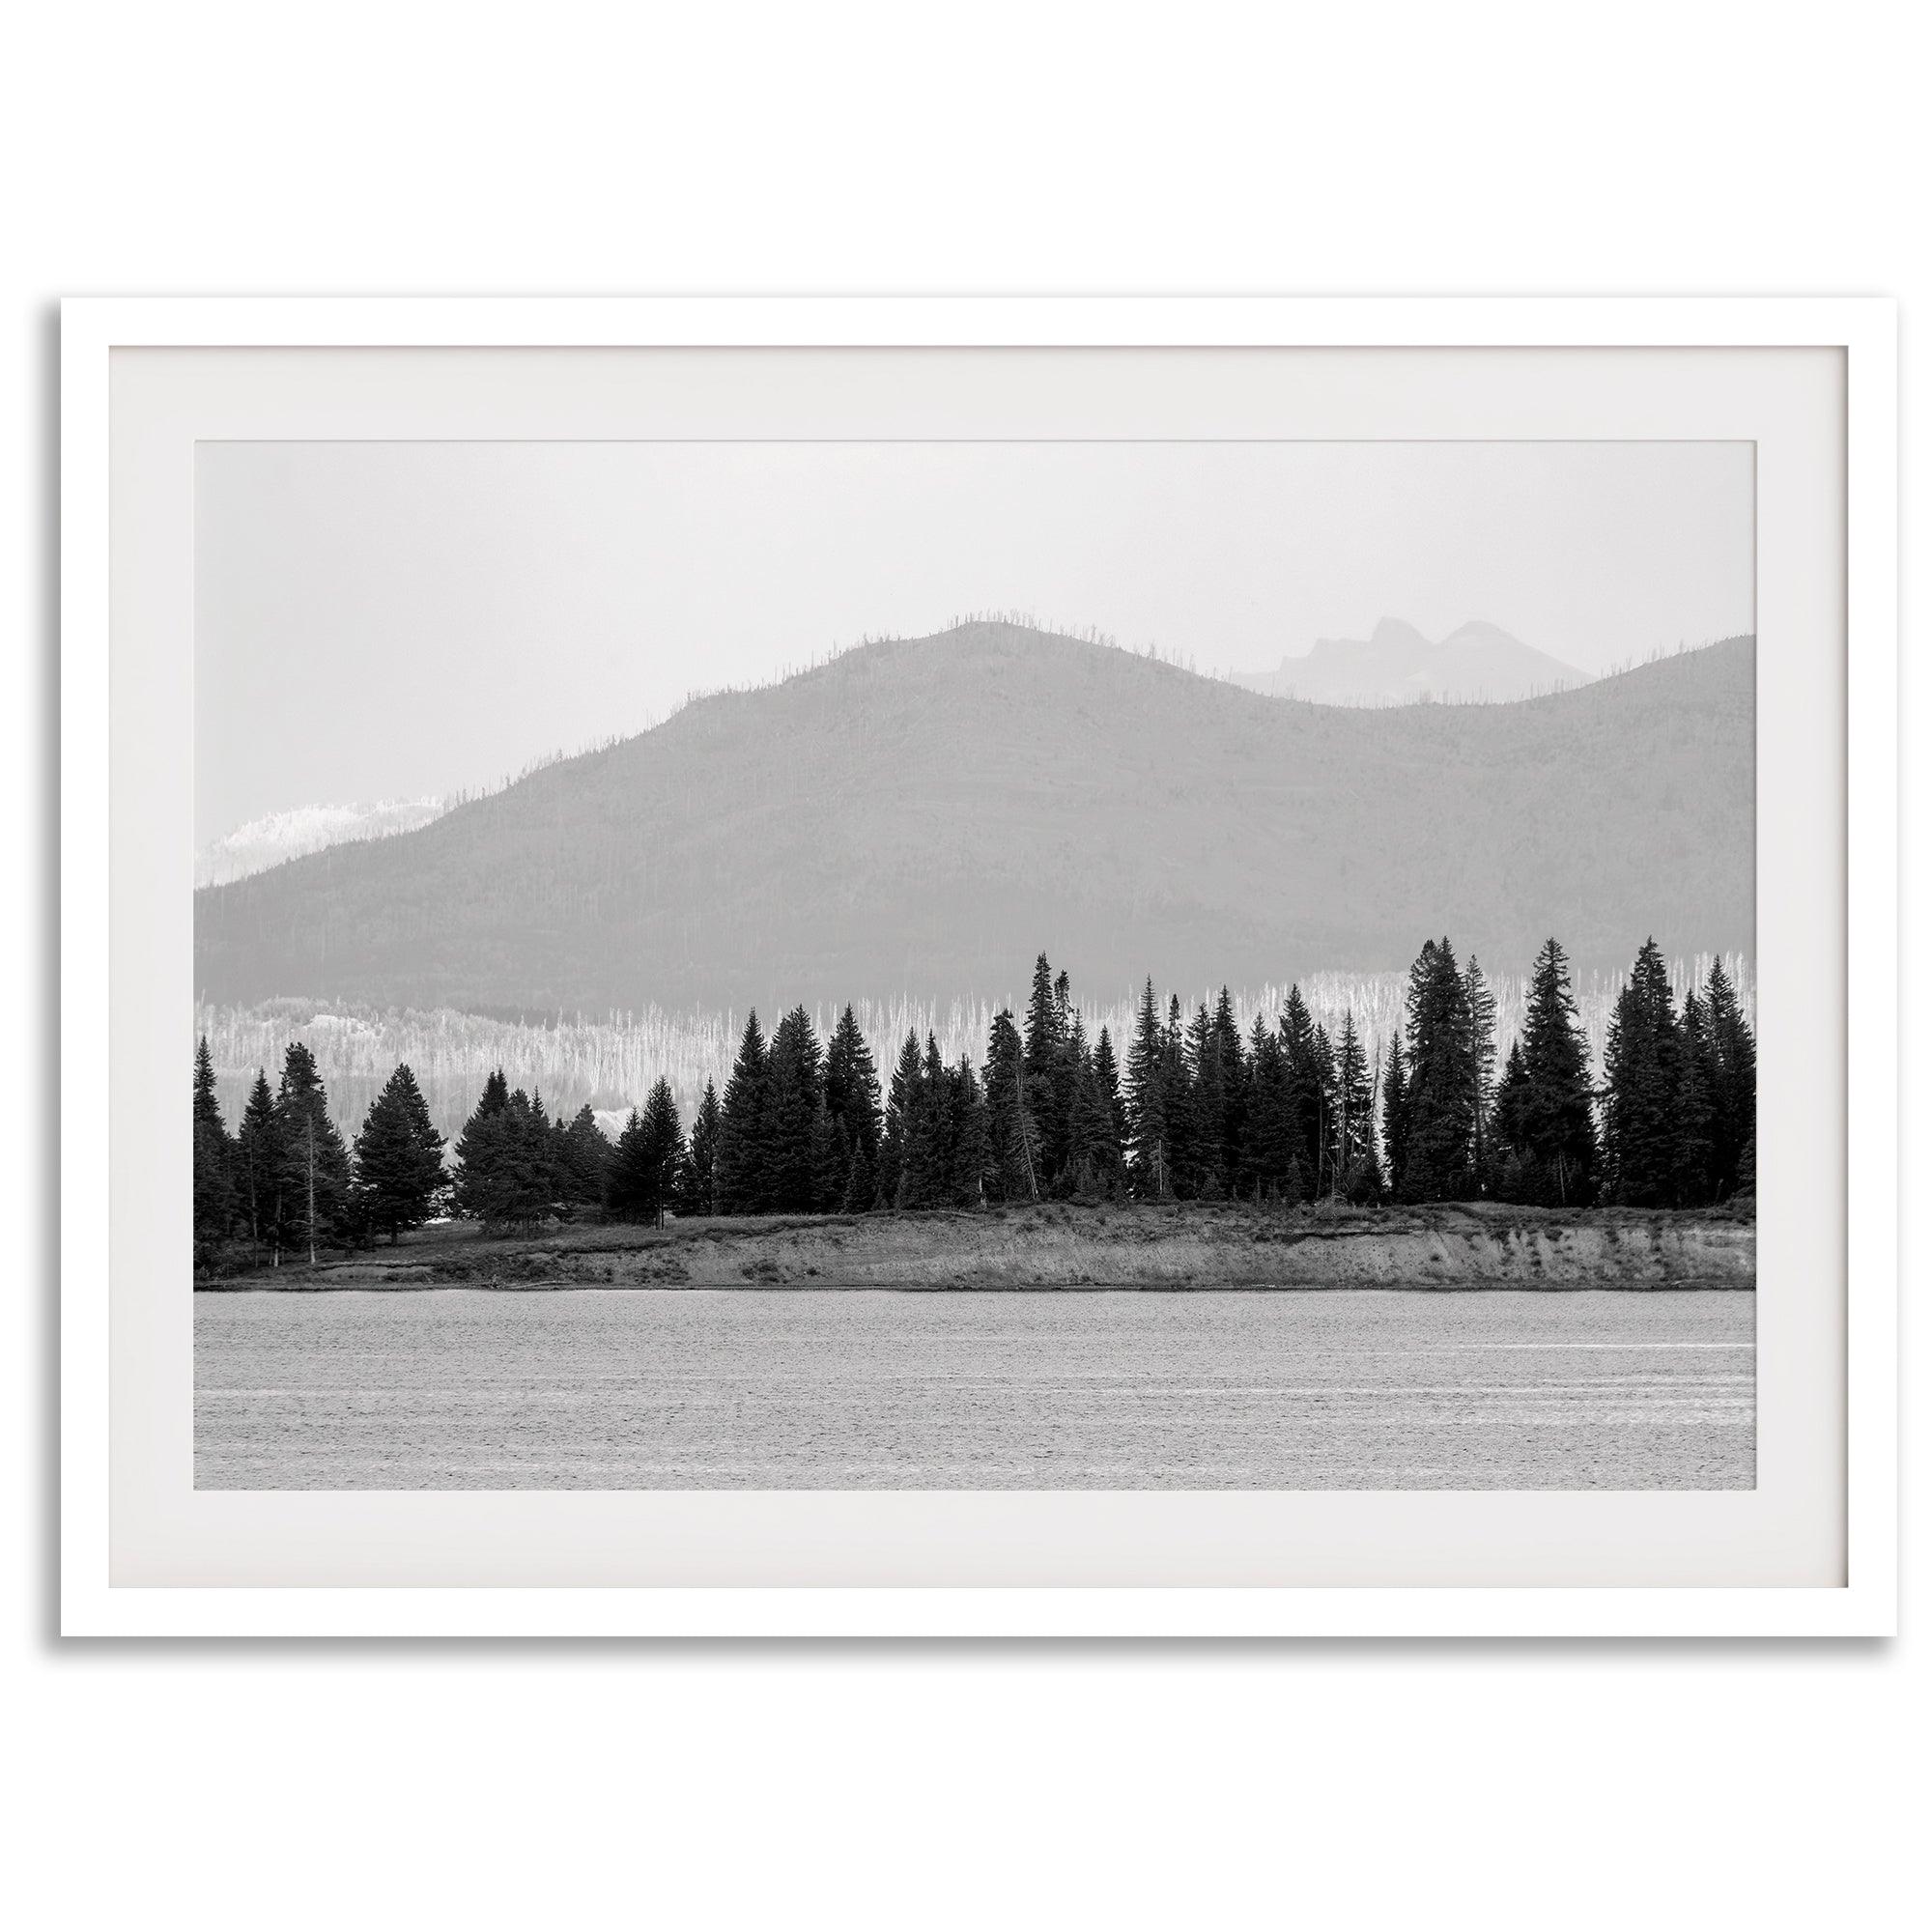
1059	1246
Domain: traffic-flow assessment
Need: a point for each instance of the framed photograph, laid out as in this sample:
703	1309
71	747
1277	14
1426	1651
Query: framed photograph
979	967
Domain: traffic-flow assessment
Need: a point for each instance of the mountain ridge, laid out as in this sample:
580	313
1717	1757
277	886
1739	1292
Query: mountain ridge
1478	660
917	815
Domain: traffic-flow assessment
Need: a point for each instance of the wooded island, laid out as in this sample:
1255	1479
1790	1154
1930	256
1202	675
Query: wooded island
1198	1113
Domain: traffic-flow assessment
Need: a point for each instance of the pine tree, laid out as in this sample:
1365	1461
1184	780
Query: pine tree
742	1182
1012	1141
627	1181
516	1186
1734	1093
650	1157
794	1128
1069	1058
1269	1142
902	1099
852	1113
1509	1174
481	1148
314	1179
1045	1087
1395	1113
926	1165
1091	1150
1329	1171
582	1160
968	1150
1482	1007
214	1161
1232	1124
698	1193
1307	1103
1208	1092
1440	1096
1104	1136
1177	1088
1697	1078
1358	1176
1641	1076
398	1160
259	1168
1149	1169
1552	1132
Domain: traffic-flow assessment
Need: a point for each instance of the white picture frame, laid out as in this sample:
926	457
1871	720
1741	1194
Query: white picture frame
96	922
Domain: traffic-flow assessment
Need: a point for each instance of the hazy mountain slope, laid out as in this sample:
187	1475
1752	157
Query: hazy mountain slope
308	827
1397	664
926	815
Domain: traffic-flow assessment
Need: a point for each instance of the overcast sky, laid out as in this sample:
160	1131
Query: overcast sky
386	620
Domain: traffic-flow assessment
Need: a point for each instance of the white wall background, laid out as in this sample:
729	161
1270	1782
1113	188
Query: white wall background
391	148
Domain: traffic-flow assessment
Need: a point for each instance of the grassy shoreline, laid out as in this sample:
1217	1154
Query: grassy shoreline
1057	1246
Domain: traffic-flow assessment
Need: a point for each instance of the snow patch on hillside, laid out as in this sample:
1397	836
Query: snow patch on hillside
304	829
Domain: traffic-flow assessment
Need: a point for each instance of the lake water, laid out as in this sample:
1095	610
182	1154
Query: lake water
614	1389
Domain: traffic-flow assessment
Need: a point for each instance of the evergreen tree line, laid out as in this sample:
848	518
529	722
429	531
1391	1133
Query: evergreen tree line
1198	1113
1287	1112
286	1182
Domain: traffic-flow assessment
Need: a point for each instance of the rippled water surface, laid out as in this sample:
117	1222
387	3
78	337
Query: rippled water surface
861	1389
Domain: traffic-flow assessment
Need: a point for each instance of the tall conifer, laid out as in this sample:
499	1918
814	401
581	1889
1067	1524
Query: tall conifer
1111	1156
1146	1104
742	1184
852	1111
582	1160
1269	1142
902	1104
794	1127
1394	1112
398	1159
1046	1089
259	1168
1177	1088
967	1148
1643	1065
650	1156
1481	1003
1203	1179
1697	1077
1358	1175
1439	1098
1734	1090
1012	1142
698	1192
1554	1133
1307	1106
315	1181
214	1161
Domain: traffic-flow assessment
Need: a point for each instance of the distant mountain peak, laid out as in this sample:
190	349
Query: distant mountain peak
1392	634
1479	631
1477	663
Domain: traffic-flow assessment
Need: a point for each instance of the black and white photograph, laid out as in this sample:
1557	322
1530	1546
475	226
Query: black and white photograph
973	965
968	967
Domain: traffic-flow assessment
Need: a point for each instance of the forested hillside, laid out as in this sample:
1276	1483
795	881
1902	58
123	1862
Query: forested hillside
911	816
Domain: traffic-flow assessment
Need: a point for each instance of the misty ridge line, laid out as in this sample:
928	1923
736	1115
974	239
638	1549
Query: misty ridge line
208	872
299	831
612	1064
